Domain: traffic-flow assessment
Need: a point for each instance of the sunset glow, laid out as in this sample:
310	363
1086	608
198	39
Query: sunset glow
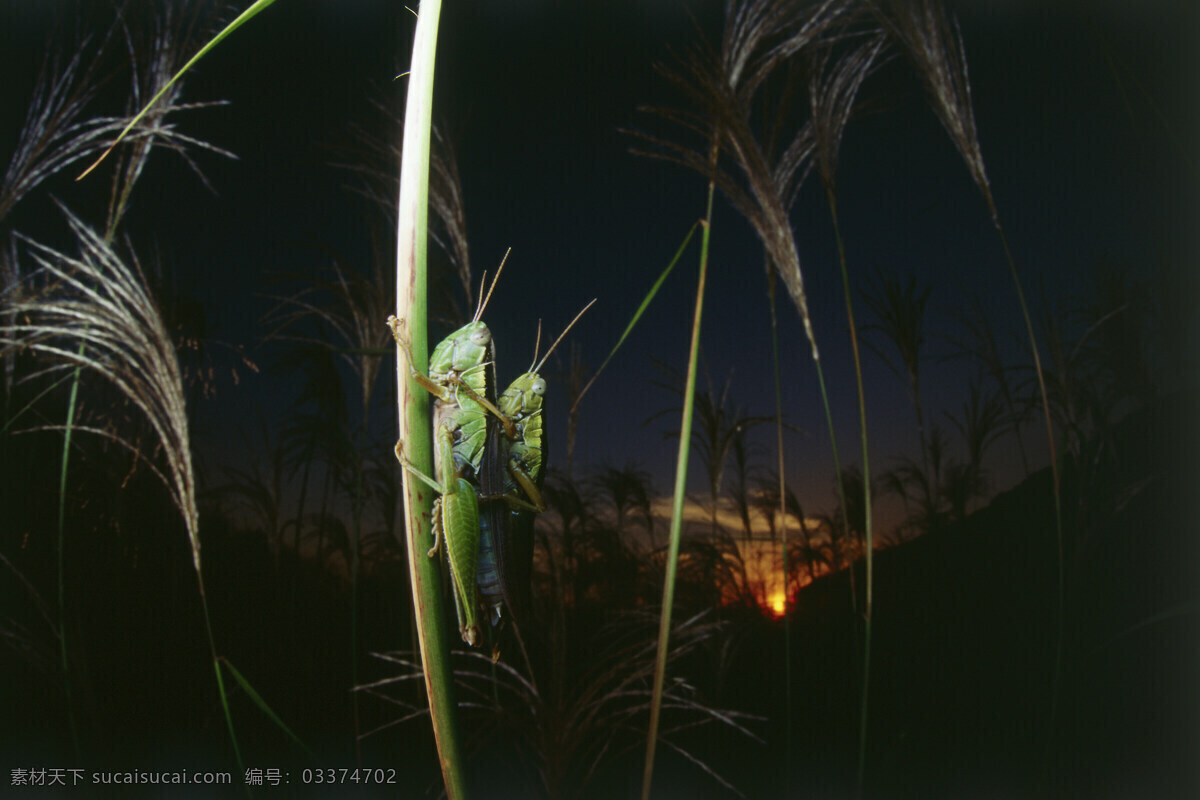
778	604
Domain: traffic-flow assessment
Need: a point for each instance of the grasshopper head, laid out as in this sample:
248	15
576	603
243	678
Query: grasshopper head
523	396
467	347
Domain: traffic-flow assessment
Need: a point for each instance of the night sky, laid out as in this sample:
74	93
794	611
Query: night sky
1081	121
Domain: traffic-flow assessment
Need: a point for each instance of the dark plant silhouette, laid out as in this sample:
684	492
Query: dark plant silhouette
629	490
980	344
981	424
573	725
920	484
767	503
716	436
899	306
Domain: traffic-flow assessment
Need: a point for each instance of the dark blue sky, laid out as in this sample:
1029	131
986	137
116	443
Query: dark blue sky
1079	120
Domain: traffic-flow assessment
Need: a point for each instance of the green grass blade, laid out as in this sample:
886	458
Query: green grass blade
237	750
262	704
32	404
685	438
638	314
245	16
413	401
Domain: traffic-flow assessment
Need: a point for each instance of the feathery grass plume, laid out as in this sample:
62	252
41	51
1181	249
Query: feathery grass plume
254	494
774	509
629	491
921	486
933	42
571	727
155	40
51	139
100	300
132	124
833	87
55	134
759	36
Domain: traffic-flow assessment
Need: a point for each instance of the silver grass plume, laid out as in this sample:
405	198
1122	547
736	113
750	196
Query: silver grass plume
54	135
833	87
99	300
933	42
760	36
155	51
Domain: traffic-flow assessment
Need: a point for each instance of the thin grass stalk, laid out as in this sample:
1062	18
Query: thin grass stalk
869	545
62	514
685	437
936	50
832	98
413	401
356	537
1058	523
783	537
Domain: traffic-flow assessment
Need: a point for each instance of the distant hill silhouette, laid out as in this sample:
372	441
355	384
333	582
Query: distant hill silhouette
965	632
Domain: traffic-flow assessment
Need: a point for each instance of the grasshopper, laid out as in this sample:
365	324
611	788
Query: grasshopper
458	379
514	466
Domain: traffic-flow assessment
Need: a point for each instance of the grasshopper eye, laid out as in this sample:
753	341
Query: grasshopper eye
538	386
481	337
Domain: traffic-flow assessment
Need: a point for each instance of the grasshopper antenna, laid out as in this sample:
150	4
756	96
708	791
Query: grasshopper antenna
536	343
479	302
484	301
538	367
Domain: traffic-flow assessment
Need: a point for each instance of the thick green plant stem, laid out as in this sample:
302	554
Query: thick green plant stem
685	438
413	401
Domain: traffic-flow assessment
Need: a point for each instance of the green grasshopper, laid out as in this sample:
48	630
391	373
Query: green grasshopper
514	466
458	379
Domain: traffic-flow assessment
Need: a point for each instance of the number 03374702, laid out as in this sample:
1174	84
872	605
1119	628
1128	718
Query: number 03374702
338	776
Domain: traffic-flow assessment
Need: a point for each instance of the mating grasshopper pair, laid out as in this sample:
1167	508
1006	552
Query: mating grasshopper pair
489	459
